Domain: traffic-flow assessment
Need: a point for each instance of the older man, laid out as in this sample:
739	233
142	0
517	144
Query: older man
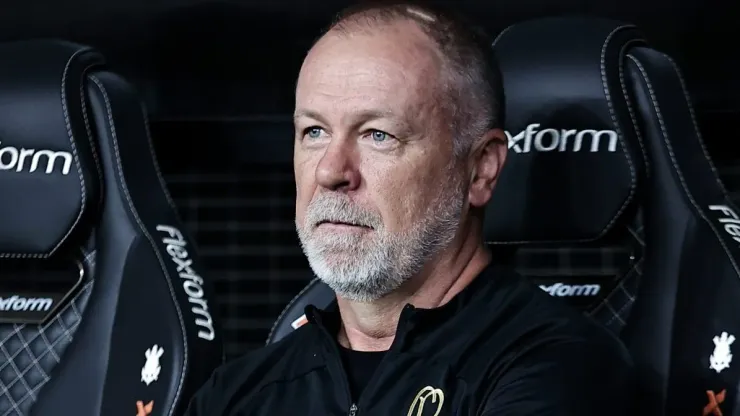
398	146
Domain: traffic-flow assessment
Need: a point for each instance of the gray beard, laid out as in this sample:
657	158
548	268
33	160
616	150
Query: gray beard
366	267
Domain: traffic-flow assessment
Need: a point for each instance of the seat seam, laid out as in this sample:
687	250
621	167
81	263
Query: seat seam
142	228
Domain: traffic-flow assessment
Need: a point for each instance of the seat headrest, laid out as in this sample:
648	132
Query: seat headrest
569	172
49	176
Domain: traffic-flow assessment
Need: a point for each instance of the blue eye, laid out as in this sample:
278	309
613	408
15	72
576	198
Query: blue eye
313	132
379	136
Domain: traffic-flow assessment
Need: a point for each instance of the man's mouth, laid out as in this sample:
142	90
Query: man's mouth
343	223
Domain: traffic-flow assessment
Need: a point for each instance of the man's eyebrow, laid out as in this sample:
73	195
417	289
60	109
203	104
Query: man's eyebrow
300	113
401	123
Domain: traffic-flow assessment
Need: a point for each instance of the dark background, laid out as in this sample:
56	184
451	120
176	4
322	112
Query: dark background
218	81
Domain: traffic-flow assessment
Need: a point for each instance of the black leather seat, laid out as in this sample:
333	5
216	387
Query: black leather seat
104	310
673	304
685	319
682	323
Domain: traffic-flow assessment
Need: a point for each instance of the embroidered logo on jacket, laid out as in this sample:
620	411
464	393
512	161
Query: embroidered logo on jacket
436	398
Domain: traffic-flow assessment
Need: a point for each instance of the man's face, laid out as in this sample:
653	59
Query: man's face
378	189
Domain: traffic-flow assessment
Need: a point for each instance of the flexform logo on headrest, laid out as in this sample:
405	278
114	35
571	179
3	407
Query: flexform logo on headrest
563	140
29	160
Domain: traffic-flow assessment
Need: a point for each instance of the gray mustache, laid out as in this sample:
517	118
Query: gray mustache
336	208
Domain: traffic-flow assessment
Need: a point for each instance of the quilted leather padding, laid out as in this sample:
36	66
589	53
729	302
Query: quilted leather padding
29	353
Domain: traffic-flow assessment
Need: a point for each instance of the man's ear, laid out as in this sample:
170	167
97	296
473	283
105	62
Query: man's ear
487	158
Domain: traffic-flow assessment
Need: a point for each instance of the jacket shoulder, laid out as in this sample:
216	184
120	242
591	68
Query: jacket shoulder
276	362
294	355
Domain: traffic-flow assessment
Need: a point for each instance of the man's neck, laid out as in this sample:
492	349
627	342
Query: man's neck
372	326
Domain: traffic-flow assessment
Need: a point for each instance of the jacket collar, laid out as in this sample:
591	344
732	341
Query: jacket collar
419	320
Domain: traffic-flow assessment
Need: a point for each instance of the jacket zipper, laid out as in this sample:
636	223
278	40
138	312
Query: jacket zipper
343	372
338	361
354	408
393	350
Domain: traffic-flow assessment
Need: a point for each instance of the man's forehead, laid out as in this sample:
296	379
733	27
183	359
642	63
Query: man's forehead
352	68
355	105
402	46
371	72
358	86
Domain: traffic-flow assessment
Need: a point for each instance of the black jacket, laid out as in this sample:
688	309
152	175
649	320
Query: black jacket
500	347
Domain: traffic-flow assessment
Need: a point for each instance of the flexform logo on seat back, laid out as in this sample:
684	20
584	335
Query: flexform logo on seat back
582	292
31	293
15	159
24	304
561	289
536	138
177	248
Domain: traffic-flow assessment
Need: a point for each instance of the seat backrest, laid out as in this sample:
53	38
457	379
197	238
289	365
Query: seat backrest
104	309
684	321
573	169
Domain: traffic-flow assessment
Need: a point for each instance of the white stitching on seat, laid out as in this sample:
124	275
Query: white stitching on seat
612	114
633	115
36	332
134	212
93	147
501	35
695	124
78	166
669	148
616	314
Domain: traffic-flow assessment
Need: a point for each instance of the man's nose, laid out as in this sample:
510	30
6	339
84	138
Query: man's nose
337	170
